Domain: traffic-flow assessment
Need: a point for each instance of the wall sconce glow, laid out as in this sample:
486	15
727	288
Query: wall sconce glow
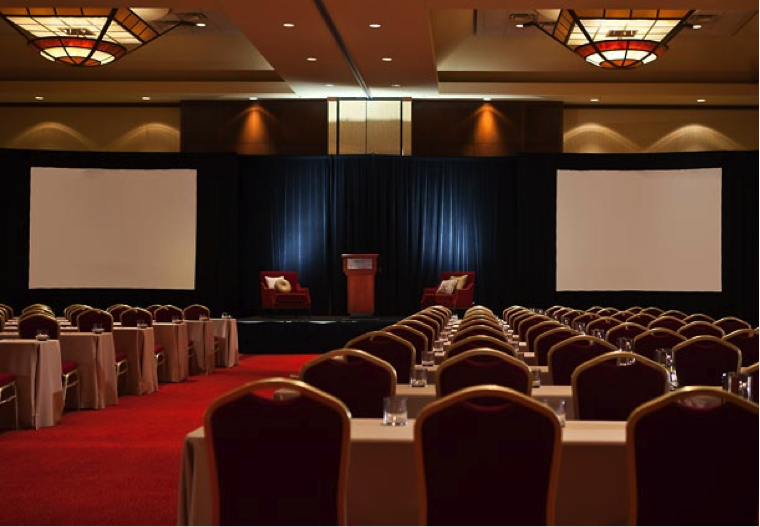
616	38
82	36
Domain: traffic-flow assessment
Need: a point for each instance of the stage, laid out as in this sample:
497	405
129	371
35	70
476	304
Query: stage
303	334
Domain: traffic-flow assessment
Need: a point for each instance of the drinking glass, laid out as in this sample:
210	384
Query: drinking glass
419	376
625	344
394	411
428	358
536	378
598	333
558	407
97	327
737	383
42	334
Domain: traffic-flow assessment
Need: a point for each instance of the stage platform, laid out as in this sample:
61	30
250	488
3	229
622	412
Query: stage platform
303	334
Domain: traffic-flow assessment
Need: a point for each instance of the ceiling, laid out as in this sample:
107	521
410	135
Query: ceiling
439	49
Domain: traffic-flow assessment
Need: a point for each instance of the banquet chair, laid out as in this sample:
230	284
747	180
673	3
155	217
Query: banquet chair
431	321
516	319
731	324
694	435
391	348
281	290
747	341
702	361
483	366
117	309
611	386
9	393
152	308
667	322
8	310
634	309
355	377
674	313
624	329
492	323
622	316
478	329
3	316
29	324
298	446
603	323
642	318
455	291
423	328
507	311
751	371
70	379
505	474
648	342
545	341
414	336
606	312
699	317
569	317
524	325
479	341
73	314
699	328
585	317
168	313
196	312
86	319
37	308
567	355
536	331
654	311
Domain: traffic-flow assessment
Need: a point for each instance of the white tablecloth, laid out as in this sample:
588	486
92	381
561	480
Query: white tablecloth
174	339
201	333
225	329
37	366
138	344
382	485
94	355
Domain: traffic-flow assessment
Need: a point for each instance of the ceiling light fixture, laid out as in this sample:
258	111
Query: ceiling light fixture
288	24
200	24
387	59
145	98
616	38
311	59
375	26
39	98
701	100
82	36
253	98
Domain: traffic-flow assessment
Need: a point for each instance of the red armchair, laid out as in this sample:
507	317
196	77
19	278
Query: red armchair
459	298
280	295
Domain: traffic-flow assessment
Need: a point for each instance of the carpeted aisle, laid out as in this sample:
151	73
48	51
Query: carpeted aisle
120	465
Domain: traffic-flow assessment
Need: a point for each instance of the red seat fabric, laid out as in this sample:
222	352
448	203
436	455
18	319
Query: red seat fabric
6	378
567	355
391	348
747	341
483	366
702	361
120	356
67	366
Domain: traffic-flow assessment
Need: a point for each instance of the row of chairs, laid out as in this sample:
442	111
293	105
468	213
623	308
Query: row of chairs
506	474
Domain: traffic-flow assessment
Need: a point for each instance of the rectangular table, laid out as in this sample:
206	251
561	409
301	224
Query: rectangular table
94	355
138	344
37	366
201	333
225	330
174	339
382	484
418	398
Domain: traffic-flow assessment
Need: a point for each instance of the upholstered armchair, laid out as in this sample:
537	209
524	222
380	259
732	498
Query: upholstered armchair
454	295
281	290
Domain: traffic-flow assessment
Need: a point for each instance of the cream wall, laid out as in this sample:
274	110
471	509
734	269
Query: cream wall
620	130
100	129
586	130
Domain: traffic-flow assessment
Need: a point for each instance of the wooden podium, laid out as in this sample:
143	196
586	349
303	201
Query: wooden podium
360	271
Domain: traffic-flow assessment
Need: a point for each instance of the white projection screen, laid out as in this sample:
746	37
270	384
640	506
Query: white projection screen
112	229
639	230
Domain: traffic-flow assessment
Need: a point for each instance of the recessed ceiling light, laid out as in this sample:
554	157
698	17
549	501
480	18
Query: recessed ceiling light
701	100
288	24
200	24
311	59
387	59
594	99
39	98
375	26
145	98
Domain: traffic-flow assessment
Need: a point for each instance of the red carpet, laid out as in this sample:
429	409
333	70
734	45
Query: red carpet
120	465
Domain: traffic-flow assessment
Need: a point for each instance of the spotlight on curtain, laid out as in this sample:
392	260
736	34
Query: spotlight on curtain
616	38
82	36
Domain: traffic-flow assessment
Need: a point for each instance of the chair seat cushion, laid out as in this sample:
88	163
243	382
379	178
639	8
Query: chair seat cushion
158	348
120	356
6	378
291	299
68	366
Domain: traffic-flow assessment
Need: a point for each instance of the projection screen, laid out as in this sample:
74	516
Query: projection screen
651	230
105	228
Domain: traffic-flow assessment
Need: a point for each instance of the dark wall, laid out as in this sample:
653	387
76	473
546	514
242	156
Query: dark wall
479	128
271	127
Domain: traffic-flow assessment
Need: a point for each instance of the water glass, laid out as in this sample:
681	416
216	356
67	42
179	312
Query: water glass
580	327
225	314
665	357
625	344
428	358
97	328
175	320
558	407
42	334
536	378
419	377
141	324
394	411
599	333
738	383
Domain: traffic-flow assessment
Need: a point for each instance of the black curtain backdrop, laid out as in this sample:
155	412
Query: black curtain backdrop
494	216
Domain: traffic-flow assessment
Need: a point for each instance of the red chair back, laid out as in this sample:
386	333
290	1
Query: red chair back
699	328
86	320
414	336
483	366
747	341
731	324
702	361
667	322
567	355
479	341
29	324
545	342
130	317
648	342
196	312
624	329
391	348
